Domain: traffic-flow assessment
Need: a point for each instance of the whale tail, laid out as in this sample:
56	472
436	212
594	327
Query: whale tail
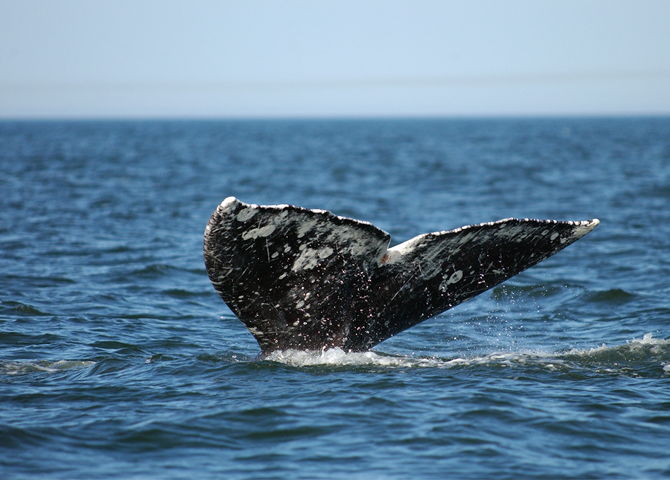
308	279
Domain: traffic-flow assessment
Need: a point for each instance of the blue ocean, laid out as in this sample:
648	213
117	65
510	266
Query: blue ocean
118	360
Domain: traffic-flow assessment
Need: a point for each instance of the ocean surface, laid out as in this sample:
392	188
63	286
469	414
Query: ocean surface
118	360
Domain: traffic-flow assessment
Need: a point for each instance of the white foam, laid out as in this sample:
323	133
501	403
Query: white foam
338	357
647	339
537	358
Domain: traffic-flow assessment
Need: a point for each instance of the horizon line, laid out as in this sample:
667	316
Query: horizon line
350	117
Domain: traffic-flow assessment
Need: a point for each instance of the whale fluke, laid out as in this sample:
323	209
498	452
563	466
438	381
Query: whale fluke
309	279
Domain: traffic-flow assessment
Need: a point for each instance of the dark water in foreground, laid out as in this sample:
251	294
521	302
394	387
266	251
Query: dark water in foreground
118	359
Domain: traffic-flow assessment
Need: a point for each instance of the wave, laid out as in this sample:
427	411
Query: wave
646	343
645	350
18	367
633	353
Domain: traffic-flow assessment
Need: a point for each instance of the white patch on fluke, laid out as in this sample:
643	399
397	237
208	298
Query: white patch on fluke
305	227
397	252
259	232
310	257
585	227
454	278
246	214
255	332
227	202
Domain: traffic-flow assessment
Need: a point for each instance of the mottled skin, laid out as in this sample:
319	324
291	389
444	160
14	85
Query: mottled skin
308	279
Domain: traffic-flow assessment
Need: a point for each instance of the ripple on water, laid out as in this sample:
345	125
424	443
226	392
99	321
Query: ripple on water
614	296
16	367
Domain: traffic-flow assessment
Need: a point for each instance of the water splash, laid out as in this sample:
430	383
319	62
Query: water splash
338	357
647	350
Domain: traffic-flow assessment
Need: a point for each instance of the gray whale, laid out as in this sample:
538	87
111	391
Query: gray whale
308	279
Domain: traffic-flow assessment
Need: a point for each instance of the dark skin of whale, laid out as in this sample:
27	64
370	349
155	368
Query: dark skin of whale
311	280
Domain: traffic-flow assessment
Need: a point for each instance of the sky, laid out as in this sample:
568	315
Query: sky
312	58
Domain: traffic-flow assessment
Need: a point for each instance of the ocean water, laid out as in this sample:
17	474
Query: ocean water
119	360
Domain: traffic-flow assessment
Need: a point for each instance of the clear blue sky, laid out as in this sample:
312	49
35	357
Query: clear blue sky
338	58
